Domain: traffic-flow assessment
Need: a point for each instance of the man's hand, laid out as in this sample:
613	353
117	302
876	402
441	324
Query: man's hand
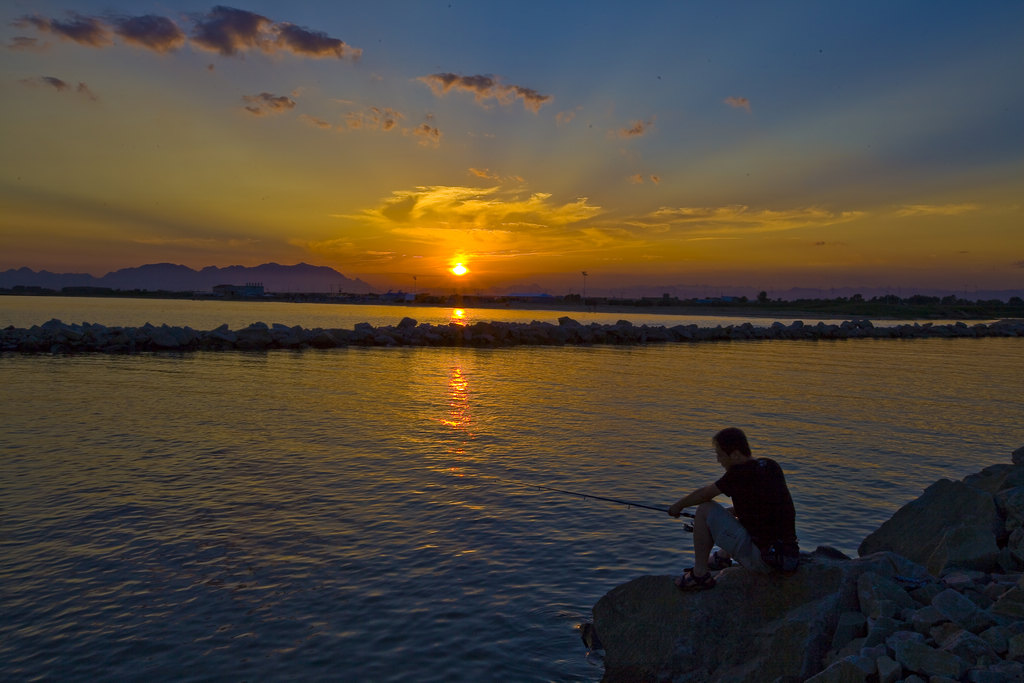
675	510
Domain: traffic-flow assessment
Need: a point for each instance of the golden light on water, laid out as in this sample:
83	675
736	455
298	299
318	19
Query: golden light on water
458	315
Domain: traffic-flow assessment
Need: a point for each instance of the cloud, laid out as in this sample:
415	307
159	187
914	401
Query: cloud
935	209
227	30
636	129
79	29
266	103
738	103
25	43
639	179
156	33
313	121
313	43
486	174
430	136
1017	264
737	219
563	118
374	118
224	30
445	207
60	85
486	88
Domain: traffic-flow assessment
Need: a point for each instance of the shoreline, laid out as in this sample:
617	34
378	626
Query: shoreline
818	309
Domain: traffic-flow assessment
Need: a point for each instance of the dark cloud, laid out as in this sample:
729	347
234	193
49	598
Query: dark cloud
227	30
1018	264
266	103
60	85
485	88
150	31
80	29
313	43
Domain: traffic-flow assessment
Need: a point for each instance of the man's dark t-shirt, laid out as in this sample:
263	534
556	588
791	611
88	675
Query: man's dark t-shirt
761	500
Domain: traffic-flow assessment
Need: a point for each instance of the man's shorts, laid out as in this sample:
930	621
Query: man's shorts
731	536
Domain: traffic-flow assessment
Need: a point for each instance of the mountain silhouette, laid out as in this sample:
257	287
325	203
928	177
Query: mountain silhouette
274	277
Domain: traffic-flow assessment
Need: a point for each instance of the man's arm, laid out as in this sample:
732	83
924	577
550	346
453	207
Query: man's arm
699	496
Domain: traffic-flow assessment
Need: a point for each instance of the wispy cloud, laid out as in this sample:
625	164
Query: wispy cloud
267	103
735	219
486	174
315	122
935	209
636	129
374	118
639	179
60	86
563	118
486	88
738	103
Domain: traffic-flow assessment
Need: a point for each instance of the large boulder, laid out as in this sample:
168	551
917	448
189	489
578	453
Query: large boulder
750	628
918	528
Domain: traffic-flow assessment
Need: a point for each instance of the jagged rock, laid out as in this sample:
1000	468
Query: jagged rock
916	529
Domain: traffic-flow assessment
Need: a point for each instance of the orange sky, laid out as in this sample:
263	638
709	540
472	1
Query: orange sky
854	145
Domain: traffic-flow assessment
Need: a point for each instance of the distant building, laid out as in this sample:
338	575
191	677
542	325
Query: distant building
249	290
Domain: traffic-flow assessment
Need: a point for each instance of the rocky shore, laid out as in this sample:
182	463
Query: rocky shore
936	595
58	337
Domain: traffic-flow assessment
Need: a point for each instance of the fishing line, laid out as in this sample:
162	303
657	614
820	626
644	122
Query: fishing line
627	503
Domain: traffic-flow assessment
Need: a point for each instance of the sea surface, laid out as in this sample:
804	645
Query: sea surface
372	514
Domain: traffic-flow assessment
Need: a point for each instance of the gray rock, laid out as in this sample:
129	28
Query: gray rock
962	611
918	657
916	529
880	596
889	670
972	649
852	669
971	546
849	626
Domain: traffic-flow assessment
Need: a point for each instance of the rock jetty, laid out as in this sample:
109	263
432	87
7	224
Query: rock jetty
936	595
58	337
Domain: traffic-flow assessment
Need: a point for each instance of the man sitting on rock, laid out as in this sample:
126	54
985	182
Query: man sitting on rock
759	532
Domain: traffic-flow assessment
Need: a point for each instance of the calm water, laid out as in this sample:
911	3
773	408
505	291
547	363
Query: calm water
348	514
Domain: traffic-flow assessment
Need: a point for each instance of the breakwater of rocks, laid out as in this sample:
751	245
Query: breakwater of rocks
58	337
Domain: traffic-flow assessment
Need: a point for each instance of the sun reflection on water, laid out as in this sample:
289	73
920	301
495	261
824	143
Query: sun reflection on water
458	418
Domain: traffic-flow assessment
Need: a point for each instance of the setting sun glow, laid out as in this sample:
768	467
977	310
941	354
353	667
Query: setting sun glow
459	269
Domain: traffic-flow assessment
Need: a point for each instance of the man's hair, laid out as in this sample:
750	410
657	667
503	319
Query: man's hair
733	439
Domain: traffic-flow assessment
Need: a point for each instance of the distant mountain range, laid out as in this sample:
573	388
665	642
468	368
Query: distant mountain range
274	277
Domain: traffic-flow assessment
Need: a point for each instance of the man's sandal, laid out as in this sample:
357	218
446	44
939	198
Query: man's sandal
688	581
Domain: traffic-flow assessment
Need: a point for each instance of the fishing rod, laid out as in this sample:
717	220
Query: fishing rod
627	503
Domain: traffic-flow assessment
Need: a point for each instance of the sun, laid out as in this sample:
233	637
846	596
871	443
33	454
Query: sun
459	269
